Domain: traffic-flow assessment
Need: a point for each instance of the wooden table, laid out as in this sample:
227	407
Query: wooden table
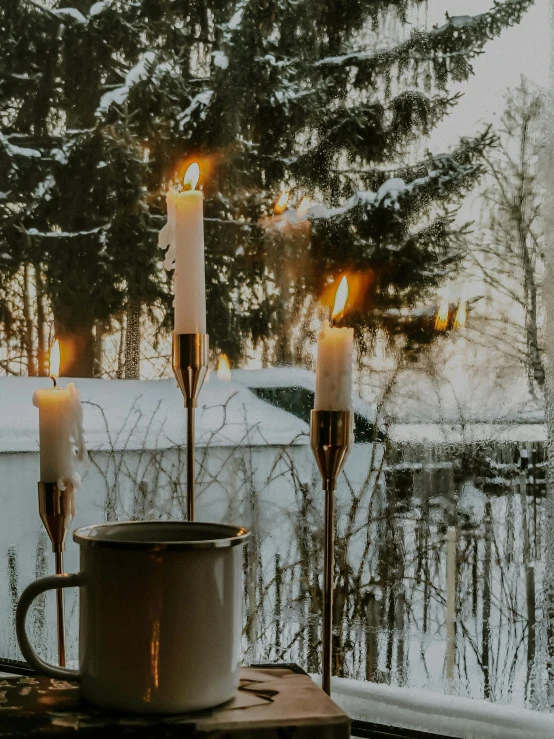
272	702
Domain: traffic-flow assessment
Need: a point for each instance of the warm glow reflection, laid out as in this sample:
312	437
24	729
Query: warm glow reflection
192	175
223	369
303	206
441	319
461	315
341	296
54	361
282	202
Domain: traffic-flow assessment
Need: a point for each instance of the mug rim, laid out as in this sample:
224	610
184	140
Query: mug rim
85	536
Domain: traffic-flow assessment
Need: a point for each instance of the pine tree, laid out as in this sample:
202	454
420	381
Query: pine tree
102	104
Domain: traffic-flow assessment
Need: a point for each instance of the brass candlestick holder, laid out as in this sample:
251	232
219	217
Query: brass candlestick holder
57	508
190	365
331	440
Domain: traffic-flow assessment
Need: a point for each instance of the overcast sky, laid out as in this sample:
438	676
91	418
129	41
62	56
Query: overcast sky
523	49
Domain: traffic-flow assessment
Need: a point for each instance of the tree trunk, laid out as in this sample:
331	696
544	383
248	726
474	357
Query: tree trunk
28	319
475	578
391	613
548	582
486	627
41	569
450	605
132	341
534	351
548	594
77	351
98	348
42	350
283	356
278	602
529	577
533	347
372	633
399	625
121	352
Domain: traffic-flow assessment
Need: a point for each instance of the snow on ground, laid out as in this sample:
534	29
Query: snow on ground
444	433
136	414
452	716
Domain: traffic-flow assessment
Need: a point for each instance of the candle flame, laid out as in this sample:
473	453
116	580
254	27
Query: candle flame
192	175
223	369
282	202
341	296
441	319
54	361
303	206
461	315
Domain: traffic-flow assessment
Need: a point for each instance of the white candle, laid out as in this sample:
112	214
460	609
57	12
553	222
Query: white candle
335	351
184	235
62	447
333	388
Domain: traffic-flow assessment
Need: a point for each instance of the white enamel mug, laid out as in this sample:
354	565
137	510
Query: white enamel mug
160	615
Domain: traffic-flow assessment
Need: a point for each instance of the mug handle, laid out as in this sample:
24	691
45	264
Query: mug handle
53	582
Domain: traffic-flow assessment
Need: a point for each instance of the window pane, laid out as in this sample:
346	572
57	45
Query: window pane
384	142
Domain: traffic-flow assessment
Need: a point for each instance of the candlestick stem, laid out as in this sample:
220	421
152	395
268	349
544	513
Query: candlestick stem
190	365
60	611
190	460
331	441
56	508
328	578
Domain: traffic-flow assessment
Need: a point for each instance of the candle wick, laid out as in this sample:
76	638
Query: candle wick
54	381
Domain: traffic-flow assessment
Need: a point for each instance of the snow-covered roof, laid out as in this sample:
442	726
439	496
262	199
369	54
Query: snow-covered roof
150	414
273	377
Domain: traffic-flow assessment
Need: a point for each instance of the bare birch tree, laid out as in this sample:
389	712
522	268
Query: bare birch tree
509	256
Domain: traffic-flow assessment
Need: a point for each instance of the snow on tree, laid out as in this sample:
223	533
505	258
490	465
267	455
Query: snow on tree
103	103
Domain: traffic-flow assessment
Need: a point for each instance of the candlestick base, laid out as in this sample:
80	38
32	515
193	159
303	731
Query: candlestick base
331	436
57	508
190	366
190	363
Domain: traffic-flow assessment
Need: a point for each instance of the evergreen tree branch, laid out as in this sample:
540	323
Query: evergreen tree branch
448	49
